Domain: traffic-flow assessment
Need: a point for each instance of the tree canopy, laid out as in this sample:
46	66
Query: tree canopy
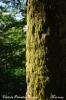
12	47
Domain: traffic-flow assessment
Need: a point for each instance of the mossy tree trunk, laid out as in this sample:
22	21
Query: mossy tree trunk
46	49
36	50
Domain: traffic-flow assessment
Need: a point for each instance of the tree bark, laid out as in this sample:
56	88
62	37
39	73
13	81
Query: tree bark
36	50
46	49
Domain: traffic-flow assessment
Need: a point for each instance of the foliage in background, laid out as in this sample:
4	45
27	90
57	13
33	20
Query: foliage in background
12	49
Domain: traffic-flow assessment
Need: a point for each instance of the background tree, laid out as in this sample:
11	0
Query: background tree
12	50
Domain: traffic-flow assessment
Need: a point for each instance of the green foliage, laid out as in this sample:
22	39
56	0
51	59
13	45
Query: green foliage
12	54
12	39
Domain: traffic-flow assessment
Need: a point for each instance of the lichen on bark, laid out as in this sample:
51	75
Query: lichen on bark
35	51
46	48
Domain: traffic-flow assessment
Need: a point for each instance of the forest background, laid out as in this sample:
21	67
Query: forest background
12	47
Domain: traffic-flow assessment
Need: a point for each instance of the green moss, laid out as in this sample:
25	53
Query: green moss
35	53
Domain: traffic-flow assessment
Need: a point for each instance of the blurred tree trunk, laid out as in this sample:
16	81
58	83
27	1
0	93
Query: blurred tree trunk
36	50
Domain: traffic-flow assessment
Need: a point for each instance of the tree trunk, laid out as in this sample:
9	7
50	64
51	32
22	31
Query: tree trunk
46	49
36	50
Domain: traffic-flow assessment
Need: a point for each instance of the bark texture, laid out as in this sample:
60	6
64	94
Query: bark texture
36	70
46	49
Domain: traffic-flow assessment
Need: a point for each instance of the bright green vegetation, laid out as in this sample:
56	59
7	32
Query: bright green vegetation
12	55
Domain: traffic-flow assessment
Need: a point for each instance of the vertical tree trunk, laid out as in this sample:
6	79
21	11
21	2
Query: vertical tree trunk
46	50
36	50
